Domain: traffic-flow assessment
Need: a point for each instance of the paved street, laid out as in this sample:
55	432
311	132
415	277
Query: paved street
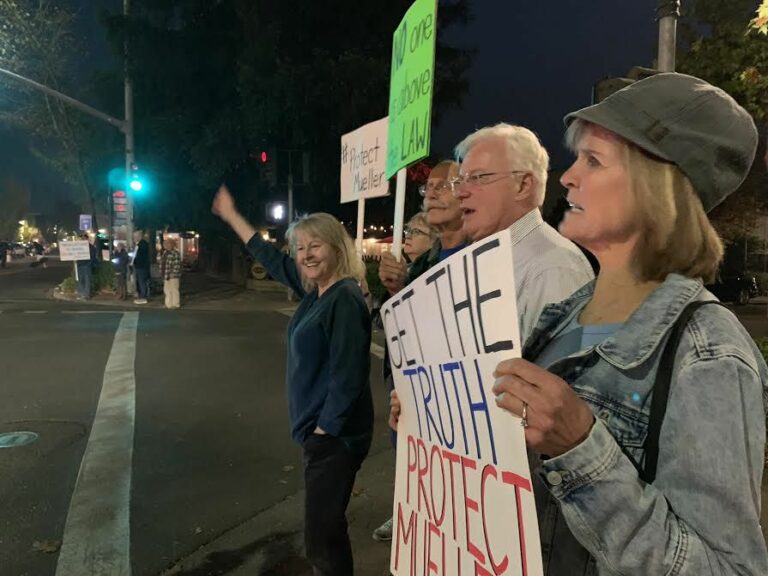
211	448
163	436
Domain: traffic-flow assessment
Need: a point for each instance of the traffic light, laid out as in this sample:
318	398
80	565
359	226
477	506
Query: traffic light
134	180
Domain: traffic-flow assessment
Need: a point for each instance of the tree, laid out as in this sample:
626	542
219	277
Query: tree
14	205
760	21
716	48
37	41
217	82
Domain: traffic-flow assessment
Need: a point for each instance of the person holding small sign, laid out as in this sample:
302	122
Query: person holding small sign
327	373
644	399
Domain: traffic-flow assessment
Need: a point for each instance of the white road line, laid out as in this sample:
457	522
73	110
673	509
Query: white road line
96	537
93	311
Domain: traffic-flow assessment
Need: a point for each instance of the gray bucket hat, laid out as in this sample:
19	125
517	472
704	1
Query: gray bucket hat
686	121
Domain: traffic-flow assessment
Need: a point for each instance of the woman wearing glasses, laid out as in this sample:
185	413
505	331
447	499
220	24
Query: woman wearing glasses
419	236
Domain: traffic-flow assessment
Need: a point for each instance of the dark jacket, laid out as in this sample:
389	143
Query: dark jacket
142	255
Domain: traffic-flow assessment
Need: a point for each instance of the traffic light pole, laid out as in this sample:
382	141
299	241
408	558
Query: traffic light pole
668	11
130	158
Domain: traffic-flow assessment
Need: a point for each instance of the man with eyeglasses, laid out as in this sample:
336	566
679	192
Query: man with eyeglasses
501	186
444	214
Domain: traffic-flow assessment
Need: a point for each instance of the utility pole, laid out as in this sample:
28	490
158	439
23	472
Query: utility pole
130	158
667	12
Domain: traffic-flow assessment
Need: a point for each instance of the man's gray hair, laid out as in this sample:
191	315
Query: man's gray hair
524	152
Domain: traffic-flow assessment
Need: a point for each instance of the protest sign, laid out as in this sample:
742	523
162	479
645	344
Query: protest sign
74	250
364	161
410	88
464	502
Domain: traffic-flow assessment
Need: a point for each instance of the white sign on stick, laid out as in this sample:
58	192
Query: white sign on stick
74	250
464	500
364	162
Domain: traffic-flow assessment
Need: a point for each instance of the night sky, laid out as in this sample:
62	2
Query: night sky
534	62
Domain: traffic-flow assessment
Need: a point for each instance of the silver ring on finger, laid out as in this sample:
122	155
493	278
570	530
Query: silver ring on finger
524	415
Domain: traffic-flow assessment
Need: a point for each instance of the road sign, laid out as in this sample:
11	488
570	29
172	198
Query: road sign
86	222
74	250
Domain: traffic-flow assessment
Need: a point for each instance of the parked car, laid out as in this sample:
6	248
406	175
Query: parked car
736	287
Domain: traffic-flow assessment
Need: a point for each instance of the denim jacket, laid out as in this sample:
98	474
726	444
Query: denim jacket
701	515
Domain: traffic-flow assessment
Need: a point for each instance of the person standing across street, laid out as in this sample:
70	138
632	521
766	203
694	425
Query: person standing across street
170	270
120	262
3	254
141	267
327	373
85	271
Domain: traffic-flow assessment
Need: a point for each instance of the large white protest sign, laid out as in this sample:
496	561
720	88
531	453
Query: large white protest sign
463	496
364	162
74	250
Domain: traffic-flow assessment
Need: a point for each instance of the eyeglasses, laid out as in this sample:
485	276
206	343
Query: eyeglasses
411	232
479	179
441	188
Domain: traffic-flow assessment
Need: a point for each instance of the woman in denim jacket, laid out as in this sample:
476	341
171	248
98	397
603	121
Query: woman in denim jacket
652	159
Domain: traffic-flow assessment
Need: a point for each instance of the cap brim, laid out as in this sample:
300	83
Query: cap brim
619	123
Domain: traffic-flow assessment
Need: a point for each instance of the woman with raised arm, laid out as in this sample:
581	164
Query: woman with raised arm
327	373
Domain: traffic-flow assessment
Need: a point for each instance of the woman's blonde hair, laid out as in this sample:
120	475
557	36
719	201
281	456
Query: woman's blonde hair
675	233
327	229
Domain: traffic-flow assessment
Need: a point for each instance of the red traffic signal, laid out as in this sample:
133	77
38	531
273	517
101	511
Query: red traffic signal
263	157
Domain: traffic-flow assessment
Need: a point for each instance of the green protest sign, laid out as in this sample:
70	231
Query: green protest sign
410	89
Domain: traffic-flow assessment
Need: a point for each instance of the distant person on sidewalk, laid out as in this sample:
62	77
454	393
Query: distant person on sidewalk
327	373
85	271
3	254
141	268
120	262
170	270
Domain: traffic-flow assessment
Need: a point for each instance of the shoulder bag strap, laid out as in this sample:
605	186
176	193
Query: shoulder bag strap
661	389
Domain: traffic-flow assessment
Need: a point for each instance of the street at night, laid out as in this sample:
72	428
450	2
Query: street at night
407	288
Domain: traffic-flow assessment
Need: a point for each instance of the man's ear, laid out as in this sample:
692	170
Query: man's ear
525	187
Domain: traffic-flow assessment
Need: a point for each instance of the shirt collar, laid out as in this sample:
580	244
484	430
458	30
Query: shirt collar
525	225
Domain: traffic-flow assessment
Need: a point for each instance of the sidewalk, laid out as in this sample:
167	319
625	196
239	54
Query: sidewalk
270	543
201	292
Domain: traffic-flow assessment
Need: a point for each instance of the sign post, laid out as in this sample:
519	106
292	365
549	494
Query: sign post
464	501
410	100
363	167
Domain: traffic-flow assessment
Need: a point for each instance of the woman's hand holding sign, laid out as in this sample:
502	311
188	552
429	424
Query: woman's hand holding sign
557	419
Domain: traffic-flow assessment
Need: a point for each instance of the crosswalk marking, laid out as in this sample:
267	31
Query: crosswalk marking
96	537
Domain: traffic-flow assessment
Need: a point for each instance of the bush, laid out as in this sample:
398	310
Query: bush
102	280
68	286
